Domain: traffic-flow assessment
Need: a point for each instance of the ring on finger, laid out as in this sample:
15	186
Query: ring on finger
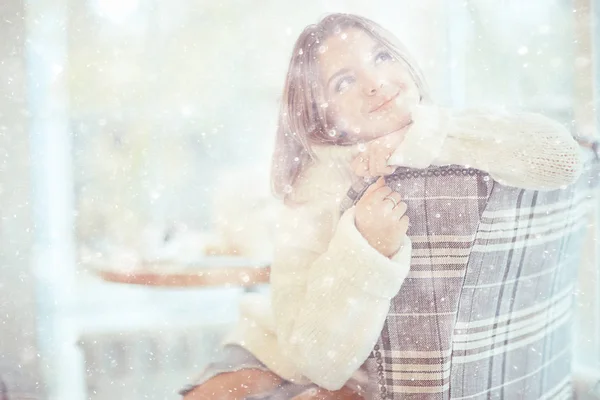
392	200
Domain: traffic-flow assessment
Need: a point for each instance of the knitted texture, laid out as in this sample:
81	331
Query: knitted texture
330	289
523	150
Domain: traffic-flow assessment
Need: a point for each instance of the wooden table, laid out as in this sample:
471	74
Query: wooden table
211	272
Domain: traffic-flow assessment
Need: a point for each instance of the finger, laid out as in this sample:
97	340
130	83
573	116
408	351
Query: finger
375	186
384	169
396	197
400	210
389	170
393	200
373	162
381	194
360	167
404	224
381	158
389	205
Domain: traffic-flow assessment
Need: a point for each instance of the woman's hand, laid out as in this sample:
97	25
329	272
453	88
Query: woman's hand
380	218
373	161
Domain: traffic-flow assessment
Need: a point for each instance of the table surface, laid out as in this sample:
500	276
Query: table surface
210	272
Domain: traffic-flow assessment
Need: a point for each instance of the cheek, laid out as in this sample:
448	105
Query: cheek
335	116
344	107
410	94
411	88
402	77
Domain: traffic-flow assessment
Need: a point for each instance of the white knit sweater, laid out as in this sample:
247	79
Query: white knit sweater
331	290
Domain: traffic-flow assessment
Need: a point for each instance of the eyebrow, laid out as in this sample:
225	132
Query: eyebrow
377	47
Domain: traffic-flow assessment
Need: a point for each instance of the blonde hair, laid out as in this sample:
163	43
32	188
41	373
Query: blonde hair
302	119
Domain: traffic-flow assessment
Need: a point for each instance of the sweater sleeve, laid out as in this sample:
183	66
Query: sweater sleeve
330	301
520	149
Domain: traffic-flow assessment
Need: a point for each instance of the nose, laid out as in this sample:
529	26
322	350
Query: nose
372	86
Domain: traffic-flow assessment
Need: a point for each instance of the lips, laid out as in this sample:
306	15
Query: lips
385	103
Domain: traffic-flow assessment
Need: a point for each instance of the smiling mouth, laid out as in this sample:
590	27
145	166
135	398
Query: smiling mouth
385	103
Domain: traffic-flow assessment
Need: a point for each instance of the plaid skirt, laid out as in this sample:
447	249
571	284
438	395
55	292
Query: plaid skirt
234	358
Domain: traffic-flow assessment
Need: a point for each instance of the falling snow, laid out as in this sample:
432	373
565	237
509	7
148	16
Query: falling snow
139	228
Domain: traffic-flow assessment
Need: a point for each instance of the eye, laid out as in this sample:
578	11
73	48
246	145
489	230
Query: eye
343	84
382	56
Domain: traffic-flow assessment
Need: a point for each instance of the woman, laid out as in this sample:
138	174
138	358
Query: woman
354	106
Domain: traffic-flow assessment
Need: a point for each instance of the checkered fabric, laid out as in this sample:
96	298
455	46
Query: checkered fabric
486	310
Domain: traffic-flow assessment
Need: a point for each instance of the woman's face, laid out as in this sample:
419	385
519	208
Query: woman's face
368	92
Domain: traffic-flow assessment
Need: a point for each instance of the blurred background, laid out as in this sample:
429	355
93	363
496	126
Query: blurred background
135	137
